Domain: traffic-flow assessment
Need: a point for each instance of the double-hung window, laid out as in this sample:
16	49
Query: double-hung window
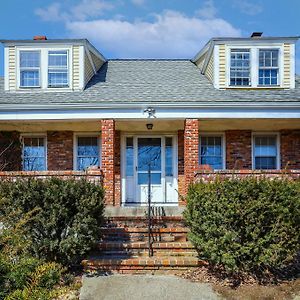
211	151
265	152
87	152
268	67
58	69
240	67
30	69
34	153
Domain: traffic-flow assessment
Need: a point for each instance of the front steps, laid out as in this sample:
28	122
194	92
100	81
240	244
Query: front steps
124	246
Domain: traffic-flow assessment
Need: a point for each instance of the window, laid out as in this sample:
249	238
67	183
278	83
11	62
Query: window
268	67
58	69
87	152
29	68
265	152
34	154
211	151
240	67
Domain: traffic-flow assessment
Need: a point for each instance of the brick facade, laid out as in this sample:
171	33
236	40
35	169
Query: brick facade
118	168
290	149
108	159
238	149
191	150
10	151
60	150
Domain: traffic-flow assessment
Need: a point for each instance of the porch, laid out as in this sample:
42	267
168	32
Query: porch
122	149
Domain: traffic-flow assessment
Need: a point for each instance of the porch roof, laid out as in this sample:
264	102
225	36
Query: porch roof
149	81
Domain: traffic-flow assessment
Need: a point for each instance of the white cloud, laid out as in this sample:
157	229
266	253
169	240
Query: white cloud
208	11
138	2
171	34
84	10
247	7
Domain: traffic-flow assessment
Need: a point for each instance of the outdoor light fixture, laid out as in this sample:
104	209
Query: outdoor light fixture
150	111
149	126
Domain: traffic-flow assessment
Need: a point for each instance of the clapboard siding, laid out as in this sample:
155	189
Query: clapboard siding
287	65
12	68
210	69
76	68
222	66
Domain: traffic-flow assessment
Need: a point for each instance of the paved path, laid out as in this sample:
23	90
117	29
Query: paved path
144	287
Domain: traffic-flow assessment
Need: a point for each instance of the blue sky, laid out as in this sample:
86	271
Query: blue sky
147	28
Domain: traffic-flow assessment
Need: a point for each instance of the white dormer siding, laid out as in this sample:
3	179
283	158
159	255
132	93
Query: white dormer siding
81	59
214	61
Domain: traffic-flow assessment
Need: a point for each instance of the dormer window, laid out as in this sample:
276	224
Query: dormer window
240	67
268	67
30	69
58	69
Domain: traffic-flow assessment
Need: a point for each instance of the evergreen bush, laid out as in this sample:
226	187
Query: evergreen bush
67	215
246	224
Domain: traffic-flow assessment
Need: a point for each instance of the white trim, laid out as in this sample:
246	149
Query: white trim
266	133
77	134
216	66
35	135
292	112
254	64
223	145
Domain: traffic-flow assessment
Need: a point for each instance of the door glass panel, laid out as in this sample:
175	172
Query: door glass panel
149	152
155	178
169	156
129	156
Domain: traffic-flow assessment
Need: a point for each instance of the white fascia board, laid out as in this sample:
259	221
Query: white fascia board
161	113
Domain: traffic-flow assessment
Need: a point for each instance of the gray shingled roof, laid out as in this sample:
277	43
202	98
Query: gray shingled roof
149	81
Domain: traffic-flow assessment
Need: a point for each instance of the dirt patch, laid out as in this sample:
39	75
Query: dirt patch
245	287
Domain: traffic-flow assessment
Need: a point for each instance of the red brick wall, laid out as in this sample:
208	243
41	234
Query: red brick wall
191	148
238	149
181	179
117	168
290	149
10	151
108	159
60	150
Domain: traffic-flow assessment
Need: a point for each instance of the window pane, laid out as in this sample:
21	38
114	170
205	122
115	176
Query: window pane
211	151
265	163
29	59
129	156
57	78
58	59
87	152
34	154
149	152
155	178
85	162
240	67
30	78
268	66
169	156
58	69
265	152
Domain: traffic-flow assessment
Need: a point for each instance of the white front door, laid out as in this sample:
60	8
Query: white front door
157	153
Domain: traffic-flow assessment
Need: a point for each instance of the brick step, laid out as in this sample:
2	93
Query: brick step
144	253
144	230
104	263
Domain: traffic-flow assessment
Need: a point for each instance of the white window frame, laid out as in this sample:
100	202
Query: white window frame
35	135
254	65
76	135
223	145
269	68
29	68
68	70
250	66
44	50
268	133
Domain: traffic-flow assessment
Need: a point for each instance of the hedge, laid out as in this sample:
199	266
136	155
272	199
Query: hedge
245	224
67	215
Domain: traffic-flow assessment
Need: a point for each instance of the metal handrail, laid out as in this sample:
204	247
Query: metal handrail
149	210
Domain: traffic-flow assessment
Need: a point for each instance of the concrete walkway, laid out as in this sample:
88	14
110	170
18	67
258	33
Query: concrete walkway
144	287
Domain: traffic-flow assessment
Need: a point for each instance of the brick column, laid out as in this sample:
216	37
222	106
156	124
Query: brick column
117	168
290	149
238	150
59	150
181	179
191	150
108	159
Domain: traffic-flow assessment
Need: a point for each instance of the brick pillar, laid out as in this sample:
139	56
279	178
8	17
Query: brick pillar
191	149
238	150
108	159
10	151
117	168
59	150
290	149
181	179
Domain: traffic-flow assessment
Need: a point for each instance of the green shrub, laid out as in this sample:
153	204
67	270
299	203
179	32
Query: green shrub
245	224
68	214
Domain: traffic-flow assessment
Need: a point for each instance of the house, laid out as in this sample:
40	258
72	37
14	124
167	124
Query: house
234	106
